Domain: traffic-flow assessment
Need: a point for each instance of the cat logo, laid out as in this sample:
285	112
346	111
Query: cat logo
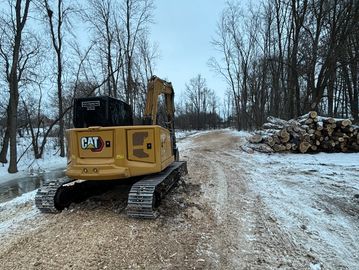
95	143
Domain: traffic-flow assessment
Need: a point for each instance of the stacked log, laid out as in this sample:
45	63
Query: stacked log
308	133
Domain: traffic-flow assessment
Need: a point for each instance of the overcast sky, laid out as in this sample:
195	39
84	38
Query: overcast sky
183	30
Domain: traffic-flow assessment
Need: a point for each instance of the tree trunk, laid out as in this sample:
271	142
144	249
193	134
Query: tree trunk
13	102
5	147
56	38
14	83
59	95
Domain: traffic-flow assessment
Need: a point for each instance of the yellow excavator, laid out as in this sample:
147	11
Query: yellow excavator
104	146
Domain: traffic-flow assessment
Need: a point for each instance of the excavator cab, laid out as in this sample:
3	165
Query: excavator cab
101	111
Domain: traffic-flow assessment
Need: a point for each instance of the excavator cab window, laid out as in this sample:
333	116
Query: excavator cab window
162	118
101	111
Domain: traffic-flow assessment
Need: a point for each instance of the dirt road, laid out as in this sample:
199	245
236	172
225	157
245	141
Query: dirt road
217	218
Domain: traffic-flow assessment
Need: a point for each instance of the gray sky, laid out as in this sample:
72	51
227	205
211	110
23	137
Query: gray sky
183	30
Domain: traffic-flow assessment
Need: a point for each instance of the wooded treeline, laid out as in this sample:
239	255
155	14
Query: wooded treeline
54	50
199	107
287	57
279	58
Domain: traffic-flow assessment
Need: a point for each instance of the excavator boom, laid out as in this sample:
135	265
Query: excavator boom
155	88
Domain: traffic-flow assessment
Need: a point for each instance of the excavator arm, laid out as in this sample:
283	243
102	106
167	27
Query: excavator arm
155	88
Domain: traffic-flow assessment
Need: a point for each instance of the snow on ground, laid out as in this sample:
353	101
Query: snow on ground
22	209
19	201
243	134
315	198
16	211
181	134
182	144
28	165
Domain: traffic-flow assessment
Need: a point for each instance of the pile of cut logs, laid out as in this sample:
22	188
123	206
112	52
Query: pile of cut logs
308	133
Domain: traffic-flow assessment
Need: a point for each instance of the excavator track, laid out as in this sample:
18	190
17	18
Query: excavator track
143	198
58	194
146	194
45	199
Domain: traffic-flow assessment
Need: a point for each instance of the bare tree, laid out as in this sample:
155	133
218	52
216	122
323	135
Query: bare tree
56	22
228	67
14	72
107	36
35	120
144	66
238	48
196	94
120	33
299	9
296	56
200	105
136	15
101	16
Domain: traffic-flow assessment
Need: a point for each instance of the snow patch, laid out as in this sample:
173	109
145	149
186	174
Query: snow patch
315	266
19	201
28	165
16	211
240	133
181	134
312	199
